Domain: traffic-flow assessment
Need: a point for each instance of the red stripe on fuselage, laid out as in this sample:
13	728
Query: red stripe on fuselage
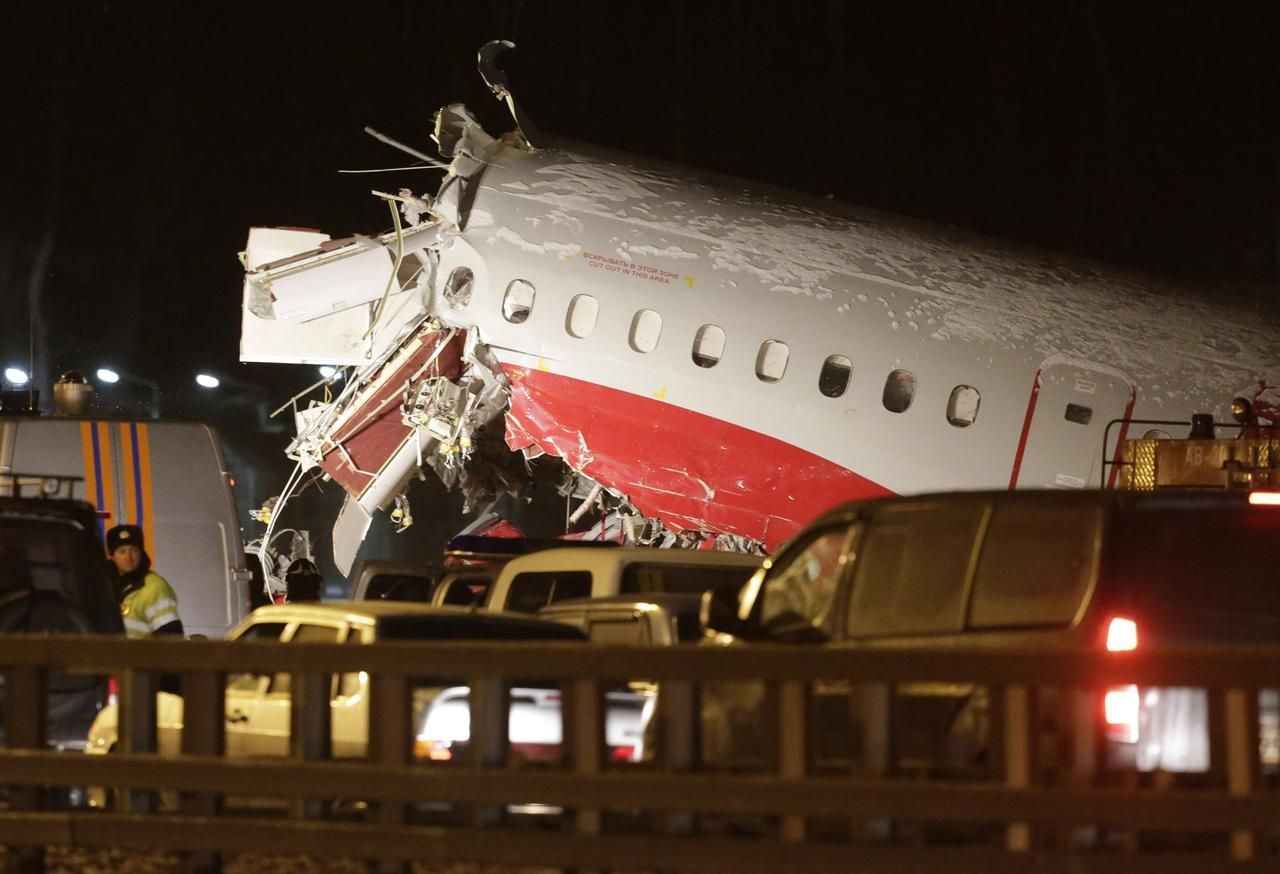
1026	429
688	469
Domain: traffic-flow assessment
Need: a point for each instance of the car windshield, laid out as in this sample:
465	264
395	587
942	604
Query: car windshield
803	584
1199	575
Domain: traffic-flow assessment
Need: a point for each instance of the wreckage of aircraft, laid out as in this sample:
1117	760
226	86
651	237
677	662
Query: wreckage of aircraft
709	358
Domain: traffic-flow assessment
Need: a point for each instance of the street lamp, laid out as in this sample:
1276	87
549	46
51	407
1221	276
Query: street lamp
207	380
328	370
111	376
16	376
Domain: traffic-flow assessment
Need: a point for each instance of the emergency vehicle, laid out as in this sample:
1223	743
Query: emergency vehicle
169	478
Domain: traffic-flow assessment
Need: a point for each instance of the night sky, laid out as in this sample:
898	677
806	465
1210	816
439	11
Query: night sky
148	137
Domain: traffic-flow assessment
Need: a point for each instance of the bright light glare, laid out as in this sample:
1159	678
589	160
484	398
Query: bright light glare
1122	635
328	370
1121	709
106	374
1265	499
16	375
205	380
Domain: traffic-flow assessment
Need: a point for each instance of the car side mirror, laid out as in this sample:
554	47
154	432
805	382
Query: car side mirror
718	611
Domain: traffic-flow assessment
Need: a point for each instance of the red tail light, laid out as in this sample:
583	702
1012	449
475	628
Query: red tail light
1120	707
113	690
622	754
1122	635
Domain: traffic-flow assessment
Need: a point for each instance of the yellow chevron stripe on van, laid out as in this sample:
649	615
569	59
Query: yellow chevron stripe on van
144	478
90	469
106	471
132	496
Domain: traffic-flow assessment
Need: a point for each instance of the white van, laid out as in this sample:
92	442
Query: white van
167	477
531	582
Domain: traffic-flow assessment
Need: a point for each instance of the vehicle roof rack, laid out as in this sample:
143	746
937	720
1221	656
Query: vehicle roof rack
15	484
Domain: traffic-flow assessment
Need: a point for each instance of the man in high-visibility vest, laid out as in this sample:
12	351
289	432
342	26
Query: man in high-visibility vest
147	601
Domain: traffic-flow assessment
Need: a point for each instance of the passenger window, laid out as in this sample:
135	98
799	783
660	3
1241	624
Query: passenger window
695	579
532	591
1035	566
834	378
646	328
517	303
620	632
457	291
1078	414
804	587
581	318
771	363
899	390
911	569
261	633
708	346
304	633
962	408
467	591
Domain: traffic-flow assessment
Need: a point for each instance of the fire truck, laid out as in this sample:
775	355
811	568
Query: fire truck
1214	455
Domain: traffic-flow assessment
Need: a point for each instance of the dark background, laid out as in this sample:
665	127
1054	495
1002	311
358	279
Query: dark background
144	139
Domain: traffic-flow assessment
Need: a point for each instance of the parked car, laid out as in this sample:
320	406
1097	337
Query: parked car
53	579
1098	570
378	580
531	582
663	619
258	704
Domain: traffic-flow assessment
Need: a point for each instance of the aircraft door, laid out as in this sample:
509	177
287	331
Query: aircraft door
1067	415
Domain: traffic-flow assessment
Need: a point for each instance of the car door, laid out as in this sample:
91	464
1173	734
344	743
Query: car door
266	726
245	689
909	588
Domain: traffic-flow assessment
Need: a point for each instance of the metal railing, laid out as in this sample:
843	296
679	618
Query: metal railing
1042	807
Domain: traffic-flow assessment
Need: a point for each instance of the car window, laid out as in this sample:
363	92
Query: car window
911	568
55	557
640	578
304	633
466	591
631	631
531	591
261	632
399	587
1035	566
804	585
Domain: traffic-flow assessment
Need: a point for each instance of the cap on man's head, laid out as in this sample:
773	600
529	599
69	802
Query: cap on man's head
124	535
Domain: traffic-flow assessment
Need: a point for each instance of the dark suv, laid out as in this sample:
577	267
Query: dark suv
53	579
1099	570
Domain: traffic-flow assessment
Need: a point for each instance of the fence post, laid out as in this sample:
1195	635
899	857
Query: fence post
1016	738
871	710
792	755
390	744
1242	749
679	714
203	692
137	731
25	723
586	725
310	732
488	702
